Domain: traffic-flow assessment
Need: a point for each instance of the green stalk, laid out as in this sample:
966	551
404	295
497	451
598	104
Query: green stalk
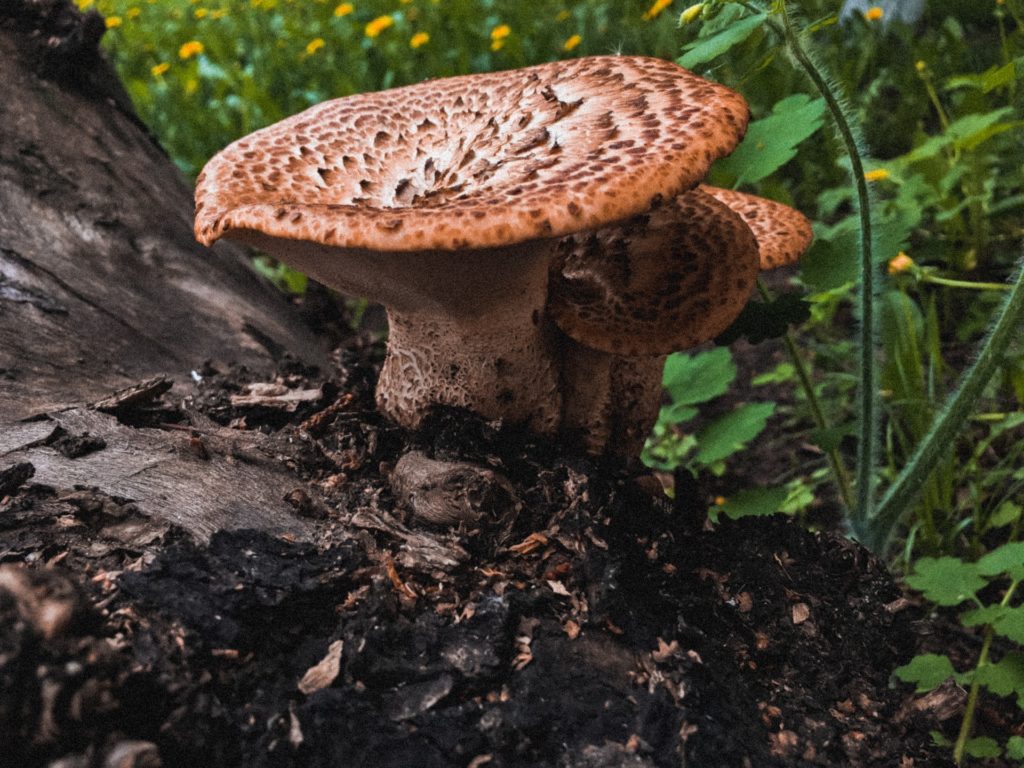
936	442
967	724
867	443
835	460
971	286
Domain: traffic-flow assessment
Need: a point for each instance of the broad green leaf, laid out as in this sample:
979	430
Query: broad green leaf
977	617
1005	620
1015	748
698	378
834	261
731	432
676	413
965	133
705	49
992	78
926	671
1005	677
755	502
946	580
982	746
1009	558
771	141
1011	624
1008	513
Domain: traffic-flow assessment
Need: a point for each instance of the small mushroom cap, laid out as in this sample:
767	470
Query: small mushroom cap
475	161
663	281
783	233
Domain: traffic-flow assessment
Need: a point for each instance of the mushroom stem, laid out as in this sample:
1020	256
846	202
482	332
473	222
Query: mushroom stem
611	400
499	366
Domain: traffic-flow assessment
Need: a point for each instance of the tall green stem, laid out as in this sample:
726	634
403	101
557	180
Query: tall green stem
866	405
936	442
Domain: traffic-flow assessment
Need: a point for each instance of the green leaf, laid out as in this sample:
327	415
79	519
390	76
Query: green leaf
982	746
783	373
771	141
705	49
731	432
1011	624
1005	677
926	671
1005	620
755	502
1008	513
1015	747
946	580
692	379
965	133
1009	558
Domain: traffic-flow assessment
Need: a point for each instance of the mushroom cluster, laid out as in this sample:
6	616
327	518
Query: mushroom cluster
539	237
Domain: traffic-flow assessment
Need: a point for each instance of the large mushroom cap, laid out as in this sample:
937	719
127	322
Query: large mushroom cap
475	161
667	280
783	233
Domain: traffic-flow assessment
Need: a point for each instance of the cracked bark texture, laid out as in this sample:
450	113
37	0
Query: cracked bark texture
101	282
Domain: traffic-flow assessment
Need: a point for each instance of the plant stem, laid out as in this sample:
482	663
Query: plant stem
947	424
967	724
866	406
951	283
835	460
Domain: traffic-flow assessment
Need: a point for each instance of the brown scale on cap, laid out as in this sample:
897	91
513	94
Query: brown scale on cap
783	233
667	280
475	161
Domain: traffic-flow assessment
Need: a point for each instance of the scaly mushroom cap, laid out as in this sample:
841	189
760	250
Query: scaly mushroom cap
783	233
475	161
663	281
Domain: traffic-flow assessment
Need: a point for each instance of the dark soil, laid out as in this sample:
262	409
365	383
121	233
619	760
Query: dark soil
582	620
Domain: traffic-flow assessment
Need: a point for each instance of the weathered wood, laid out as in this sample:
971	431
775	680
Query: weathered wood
101	282
203	481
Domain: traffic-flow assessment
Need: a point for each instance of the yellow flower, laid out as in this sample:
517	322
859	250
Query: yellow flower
879	174
200	13
901	263
690	13
418	40
719	501
83	4
378	25
314	45
133	13
921	65
190	49
158	69
655	10
498	35
344	9
113	21
191	86
572	42
874	13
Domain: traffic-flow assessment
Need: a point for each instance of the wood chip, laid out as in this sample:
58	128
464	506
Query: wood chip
135	395
325	672
800	613
277	396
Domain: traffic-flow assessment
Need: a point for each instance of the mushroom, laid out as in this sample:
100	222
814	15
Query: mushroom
446	201
628	295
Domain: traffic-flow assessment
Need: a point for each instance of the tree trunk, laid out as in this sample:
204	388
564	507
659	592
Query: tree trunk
101	282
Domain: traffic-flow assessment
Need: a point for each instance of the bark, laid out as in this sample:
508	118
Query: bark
101	282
